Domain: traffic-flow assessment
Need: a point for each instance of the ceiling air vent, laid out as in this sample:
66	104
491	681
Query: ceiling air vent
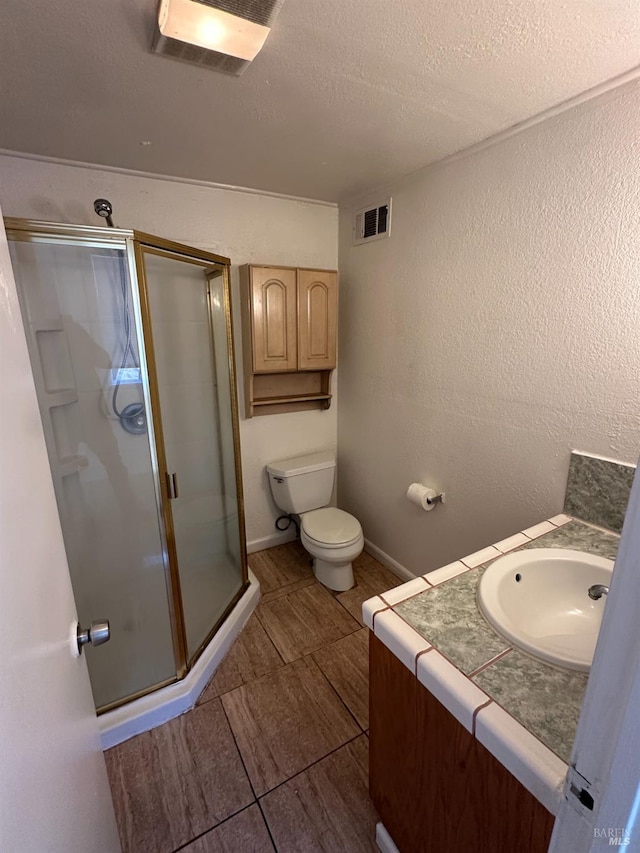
372	223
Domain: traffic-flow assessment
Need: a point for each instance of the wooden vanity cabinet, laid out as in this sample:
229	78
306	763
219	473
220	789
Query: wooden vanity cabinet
289	325
435	787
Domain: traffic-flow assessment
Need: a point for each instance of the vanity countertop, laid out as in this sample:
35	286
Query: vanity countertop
524	711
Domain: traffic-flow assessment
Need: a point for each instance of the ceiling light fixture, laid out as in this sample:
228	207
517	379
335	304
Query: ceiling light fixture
222	34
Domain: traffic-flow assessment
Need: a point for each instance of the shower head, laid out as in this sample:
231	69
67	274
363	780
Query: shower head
103	208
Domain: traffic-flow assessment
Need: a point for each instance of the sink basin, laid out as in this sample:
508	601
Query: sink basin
539	601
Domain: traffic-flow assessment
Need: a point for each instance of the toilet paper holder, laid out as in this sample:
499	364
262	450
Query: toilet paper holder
424	496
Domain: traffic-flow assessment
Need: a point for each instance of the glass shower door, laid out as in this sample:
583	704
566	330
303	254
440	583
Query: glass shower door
185	306
90	376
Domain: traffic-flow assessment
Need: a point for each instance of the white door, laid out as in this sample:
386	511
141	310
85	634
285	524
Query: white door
606	752
54	792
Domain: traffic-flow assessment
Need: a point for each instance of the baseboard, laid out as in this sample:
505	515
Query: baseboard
150	711
389	562
384	841
271	541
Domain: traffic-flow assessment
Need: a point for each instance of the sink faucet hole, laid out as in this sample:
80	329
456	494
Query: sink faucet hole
518	577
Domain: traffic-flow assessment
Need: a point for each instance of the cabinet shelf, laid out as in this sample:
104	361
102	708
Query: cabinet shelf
298	391
289	398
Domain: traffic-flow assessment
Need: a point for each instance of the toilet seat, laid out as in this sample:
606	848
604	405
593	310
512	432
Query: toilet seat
331	527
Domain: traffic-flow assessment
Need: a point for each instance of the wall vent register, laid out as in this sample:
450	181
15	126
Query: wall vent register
372	223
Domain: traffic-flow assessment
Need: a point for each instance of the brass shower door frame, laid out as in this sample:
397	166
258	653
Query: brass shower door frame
136	244
149	244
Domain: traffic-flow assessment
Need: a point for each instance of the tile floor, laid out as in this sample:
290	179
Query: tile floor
275	754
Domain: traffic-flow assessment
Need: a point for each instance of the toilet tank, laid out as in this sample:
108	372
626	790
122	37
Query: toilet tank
302	483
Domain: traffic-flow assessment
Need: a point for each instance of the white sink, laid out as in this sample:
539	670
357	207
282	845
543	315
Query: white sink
539	600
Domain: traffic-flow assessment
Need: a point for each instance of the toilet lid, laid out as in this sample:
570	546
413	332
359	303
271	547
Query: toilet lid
331	526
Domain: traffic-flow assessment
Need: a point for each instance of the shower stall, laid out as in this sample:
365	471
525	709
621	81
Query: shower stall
130	340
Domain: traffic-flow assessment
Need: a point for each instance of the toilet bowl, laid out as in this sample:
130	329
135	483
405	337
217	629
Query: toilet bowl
302	486
333	538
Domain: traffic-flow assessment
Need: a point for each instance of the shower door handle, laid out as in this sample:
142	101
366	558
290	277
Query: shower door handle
172	485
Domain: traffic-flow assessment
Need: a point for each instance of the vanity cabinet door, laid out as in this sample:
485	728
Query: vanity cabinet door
317	319
273	314
436	788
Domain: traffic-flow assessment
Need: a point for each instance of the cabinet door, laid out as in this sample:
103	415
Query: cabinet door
434	785
273	308
317	319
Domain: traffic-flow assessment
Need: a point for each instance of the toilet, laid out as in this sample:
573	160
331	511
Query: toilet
303	486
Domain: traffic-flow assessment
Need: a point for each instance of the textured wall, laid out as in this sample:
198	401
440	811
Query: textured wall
247	228
496	329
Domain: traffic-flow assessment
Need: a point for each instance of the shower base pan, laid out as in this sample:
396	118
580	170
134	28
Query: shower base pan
152	710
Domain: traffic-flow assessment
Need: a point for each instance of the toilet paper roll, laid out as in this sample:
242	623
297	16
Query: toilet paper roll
421	496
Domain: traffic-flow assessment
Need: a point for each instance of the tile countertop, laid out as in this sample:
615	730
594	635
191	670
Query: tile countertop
522	710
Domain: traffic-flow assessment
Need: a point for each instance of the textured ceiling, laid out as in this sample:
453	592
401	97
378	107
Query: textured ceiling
345	95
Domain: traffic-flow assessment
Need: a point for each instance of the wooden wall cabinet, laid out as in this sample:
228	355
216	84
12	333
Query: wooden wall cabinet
436	788
289	327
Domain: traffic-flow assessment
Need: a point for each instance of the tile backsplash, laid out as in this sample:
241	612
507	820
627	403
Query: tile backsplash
598	490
